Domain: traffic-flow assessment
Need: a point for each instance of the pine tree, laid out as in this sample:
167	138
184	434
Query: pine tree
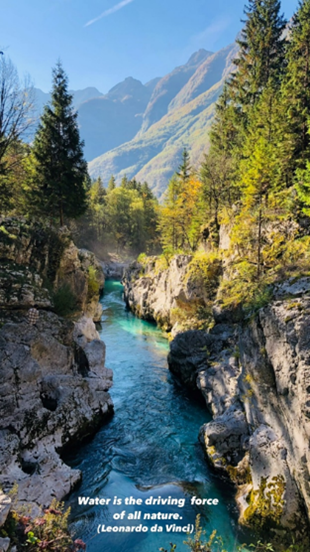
296	87
96	207
262	52
225	131
260	62
168	225
111	184
124	182
264	191
60	168
150	211
303	187
219	190
98	191
302	184
185	168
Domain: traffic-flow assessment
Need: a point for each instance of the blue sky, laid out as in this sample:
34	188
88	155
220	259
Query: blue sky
100	42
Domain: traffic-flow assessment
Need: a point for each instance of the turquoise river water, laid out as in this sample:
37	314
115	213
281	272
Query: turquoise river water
148	450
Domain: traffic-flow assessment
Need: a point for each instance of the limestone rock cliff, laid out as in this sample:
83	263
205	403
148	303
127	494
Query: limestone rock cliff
254	377
54	384
37	261
53	393
253	373
154	292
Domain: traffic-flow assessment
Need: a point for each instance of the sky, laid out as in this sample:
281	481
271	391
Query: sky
101	42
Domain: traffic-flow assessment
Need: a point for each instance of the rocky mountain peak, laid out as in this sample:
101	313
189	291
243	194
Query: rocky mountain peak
199	56
128	87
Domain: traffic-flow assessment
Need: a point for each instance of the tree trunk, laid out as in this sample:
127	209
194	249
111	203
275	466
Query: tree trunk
217	225
259	244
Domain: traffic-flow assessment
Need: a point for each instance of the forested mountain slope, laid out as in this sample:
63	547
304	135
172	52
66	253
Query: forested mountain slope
169	86
154	153
140	129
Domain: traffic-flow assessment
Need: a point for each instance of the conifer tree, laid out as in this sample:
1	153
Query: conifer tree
296	87
302	184
111	184
96	207
303	187
98	191
124	182
60	169
225	131
262	52
264	191
185	168
260	62
218	186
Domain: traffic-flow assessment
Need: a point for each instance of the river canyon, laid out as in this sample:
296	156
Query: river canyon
149	448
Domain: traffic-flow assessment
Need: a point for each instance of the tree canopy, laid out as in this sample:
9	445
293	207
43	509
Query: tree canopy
60	170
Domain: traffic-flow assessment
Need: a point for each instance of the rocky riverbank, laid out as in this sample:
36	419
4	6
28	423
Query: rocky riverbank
54	383
114	267
171	293
253	372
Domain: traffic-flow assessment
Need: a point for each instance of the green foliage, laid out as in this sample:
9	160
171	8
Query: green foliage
142	259
205	270
302	184
296	84
111	184
199	544
93	283
185	168
59	168
65	300
261	55
16	106
181	216
215	543
13	198
266	504
48	531
219	187
123	219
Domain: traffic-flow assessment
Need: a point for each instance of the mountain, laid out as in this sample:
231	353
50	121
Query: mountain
79	96
210	71
107	120
168	87
177	116
42	98
114	118
141	129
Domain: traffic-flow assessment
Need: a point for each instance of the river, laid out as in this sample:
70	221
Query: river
149	449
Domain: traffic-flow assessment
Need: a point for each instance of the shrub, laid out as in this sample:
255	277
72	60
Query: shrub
48	531
142	259
215	543
205	270
93	284
65	300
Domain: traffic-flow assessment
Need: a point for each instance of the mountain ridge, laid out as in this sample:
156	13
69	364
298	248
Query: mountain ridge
141	129
154	153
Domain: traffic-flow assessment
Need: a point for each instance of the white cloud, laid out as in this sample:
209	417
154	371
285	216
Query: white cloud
118	6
